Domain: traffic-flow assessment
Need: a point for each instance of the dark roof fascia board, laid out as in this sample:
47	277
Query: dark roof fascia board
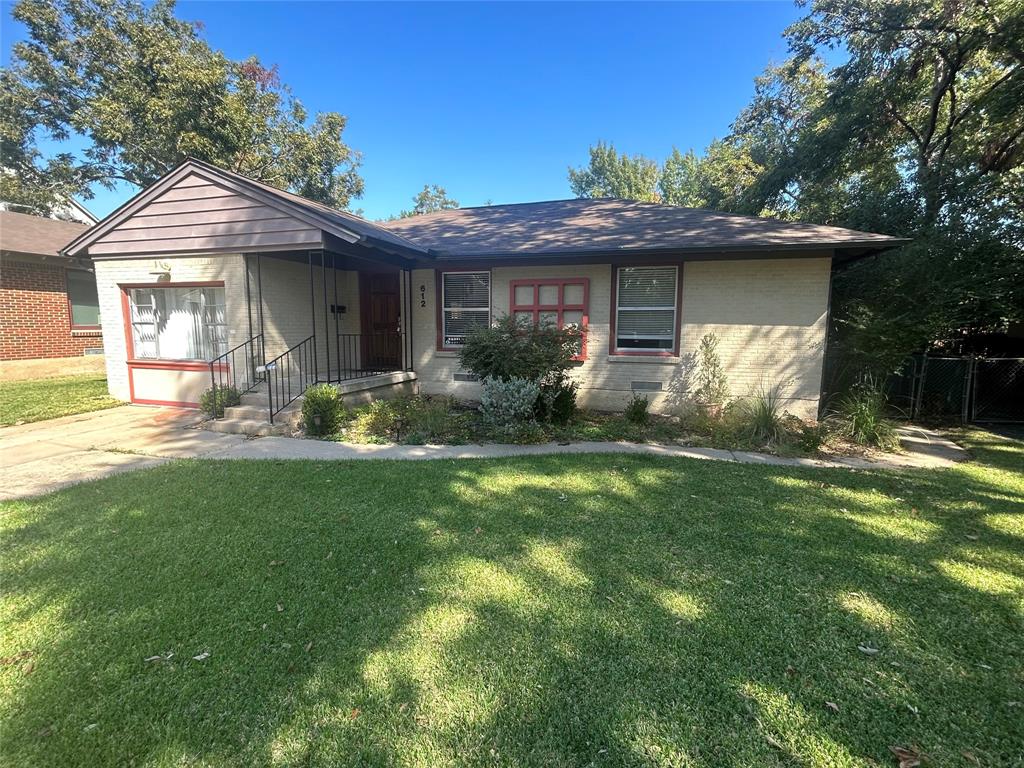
377	253
677	254
210	174
215	251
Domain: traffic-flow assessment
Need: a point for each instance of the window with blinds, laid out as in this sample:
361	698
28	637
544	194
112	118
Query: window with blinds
645	308
465	305
178	323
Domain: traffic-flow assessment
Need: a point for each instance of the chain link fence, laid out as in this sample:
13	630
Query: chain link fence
981	389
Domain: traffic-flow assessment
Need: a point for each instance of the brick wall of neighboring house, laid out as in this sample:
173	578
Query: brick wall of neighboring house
35	319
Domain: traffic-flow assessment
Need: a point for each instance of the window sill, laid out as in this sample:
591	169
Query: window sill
649	359
86	332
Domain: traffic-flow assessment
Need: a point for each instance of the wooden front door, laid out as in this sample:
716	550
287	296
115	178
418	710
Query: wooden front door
380	320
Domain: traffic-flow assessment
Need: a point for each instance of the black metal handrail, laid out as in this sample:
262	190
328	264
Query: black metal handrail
226	372
360	355
289	374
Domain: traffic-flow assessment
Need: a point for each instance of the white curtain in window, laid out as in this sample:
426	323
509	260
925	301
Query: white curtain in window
178	323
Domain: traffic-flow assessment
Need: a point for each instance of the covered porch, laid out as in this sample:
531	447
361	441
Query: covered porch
318	316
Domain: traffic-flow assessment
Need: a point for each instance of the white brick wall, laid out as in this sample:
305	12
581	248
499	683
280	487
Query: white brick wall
286	302
769	316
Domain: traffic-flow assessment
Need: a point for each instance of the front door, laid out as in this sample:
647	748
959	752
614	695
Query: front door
380	319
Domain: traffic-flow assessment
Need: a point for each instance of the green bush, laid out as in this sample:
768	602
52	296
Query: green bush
860	416
214	400
762	418
810	437
508	403
712	387
322	410
636	409
541	353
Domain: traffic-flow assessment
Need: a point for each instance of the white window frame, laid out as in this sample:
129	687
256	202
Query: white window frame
445	308
671	349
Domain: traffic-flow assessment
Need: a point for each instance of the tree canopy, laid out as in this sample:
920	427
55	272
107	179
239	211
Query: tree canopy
144	91
919	132
430	199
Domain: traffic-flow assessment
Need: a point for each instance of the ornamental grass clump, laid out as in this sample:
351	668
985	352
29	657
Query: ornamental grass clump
860	415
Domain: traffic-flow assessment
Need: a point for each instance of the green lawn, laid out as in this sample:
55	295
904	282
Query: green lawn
38	399
565	611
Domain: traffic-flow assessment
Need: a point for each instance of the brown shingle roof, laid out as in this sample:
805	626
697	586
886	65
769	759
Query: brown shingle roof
609	225
22	233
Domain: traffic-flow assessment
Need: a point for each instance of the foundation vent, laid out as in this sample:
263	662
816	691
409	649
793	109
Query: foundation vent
645	386
465	377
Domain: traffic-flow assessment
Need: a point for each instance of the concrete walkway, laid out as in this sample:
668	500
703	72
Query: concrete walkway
42	457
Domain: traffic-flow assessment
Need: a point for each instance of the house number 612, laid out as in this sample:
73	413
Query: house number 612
423	296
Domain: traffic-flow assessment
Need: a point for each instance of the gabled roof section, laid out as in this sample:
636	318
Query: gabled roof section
198	207
614	225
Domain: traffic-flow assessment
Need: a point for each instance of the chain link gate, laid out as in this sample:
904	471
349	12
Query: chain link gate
970	388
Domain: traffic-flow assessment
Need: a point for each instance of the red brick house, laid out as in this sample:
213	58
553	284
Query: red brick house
48	303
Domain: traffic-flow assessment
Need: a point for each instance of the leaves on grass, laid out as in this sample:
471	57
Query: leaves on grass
773	741
275	563
831	705
309	646
970	756
354	713
16	658
790	670
329	555
202	656
867	649
280	608
909	757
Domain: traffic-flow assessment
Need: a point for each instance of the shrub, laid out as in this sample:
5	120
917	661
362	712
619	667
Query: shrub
712	387
214	400
636	409
539	353
860	416
557	401
434	420
380	419
322	410
762	418
507	403
810	437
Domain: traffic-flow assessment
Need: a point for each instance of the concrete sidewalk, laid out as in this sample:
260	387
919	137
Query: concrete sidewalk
44	456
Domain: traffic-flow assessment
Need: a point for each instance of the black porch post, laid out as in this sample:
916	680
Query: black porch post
327	328
248	312
259	293
337	338
312	315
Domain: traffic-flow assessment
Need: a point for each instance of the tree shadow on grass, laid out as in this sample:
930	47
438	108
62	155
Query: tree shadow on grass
557	611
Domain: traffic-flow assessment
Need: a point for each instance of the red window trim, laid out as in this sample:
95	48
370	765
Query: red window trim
536	307
439	301
71	311
126	320
674	352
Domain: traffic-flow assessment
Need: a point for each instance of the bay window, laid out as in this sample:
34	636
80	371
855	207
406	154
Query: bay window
178	322
645	309
465	305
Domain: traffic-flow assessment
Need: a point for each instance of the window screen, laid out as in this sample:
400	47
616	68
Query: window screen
645	312
465	305
85	304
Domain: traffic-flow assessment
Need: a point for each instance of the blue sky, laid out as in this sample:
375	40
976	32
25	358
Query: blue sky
495	101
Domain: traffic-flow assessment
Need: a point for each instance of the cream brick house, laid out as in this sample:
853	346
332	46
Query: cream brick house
209	278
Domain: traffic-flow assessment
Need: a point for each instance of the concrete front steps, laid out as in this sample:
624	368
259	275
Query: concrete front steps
252	416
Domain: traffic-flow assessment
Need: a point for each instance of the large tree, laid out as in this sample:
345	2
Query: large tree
610	174
430	199
142	90
919	132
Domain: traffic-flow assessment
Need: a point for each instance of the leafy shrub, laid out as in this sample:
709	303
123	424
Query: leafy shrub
636	409
214	400
557	401
322	410
416	419
810	437
712	387
539	353
762	417
380	420
508	403
860	416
